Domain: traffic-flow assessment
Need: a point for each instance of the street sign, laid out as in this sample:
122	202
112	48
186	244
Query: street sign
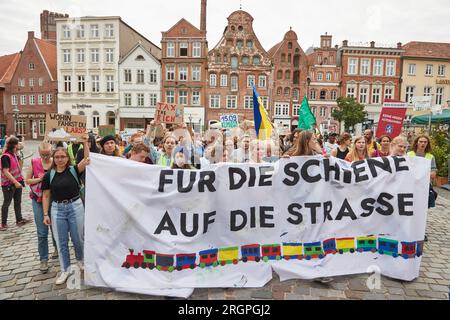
421	103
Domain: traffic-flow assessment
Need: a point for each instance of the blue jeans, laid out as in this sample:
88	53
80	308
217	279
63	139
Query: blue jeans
68	218
42	230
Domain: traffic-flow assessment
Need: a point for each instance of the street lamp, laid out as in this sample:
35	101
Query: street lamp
16	118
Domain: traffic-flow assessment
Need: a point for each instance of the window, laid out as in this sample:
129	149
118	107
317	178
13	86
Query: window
196	49
170	49
196	73
109	83
183	73
20	127
296	94
153	99
153	76
280	75
214	101
42	127
81	84
183	97
281	109
295	109
319	76
234	63
323	94
314	110
95	56
323	111
41	82
31	82
376	95
427	91
212	80
66	32
32	99
333	95
23	100
352	66
409	93
234	83
170	72
231	102
439	94
256	60
109	31
351	90
170	96
390	68
109	55
388	93
140	76
95	84
80	32
21	83
239	44
94	31
250	81
225	58
41	99
67	83
245	60
363	91
365	67
441	70
262	81
31	66
140	100
248	102
95	119
328	76
14	100
80	55
127	75
412	69
223	80
127	98
183	49
429	70
249	44
66	55
312	95
289	58
49	98
196	98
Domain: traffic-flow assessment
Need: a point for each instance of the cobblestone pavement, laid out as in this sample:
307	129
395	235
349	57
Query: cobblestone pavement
20	277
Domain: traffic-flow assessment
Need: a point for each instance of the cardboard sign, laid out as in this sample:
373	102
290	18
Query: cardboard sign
421	103
169	113
229	121
391	119
106	130
63	127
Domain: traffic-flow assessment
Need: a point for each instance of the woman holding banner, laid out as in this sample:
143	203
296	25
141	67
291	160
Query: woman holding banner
359	150
61	193
385	147
305	145
345	141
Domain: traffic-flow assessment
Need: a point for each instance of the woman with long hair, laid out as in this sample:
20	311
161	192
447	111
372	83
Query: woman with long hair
398	146
385	147
344	141
61	193
305	145
358	151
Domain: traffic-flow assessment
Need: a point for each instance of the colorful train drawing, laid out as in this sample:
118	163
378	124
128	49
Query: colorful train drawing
272	252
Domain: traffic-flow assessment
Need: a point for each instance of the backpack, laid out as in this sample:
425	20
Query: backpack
74	174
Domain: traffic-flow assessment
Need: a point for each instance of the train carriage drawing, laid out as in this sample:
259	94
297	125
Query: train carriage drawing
164	262
208	258
251	252
344	245
366	244
388	247
329	246
419	250
313	250
185	261
292	251
271	252
149	259
229	255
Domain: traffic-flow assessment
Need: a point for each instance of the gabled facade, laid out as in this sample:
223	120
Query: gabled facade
8	65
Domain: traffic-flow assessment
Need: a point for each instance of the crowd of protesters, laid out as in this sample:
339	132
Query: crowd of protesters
56	177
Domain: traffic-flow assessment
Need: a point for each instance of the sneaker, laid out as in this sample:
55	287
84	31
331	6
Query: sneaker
81	265
43	266
62	278
324	280
3	227
22	222
55	254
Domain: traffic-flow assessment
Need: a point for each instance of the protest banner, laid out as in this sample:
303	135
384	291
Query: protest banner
229	121
106	130
231	224
168	113
63	127
391	118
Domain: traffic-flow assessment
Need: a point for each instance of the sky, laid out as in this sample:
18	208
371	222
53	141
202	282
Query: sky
359	21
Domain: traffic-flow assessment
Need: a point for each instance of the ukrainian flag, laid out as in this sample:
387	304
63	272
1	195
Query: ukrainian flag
263	126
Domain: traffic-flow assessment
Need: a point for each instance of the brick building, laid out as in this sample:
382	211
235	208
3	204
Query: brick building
48	24
371	74
32	89
289	79
8	65
324	83
233	64
184	63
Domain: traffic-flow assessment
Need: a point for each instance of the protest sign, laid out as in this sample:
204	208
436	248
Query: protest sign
230	225
106	130
391	118
63	127
169	113
229	121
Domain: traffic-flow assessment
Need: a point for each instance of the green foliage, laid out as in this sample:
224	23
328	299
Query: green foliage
350	111
440	141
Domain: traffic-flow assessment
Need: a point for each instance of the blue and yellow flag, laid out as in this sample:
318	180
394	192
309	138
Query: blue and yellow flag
263	126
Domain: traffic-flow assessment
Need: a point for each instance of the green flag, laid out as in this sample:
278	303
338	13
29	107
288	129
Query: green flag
305	117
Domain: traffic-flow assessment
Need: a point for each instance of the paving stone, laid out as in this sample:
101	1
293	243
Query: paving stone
7	278
433	275
351	294
24	280
432	294
30	297
23	293
5	296
261	294
395	297
302	290
15	288
43	288
294	296
45	276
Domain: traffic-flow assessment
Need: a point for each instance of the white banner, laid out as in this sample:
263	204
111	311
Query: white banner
151	229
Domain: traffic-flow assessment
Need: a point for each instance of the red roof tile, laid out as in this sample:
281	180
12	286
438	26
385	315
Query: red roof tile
8	65
48	51
427	50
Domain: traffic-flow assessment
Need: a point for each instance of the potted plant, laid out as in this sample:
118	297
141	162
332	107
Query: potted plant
441	150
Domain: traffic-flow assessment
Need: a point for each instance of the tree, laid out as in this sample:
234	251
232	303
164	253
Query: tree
350	111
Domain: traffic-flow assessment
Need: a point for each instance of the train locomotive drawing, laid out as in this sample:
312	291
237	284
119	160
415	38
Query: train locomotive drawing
257	253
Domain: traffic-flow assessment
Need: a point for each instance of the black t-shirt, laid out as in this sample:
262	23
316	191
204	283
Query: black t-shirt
63	187
6	162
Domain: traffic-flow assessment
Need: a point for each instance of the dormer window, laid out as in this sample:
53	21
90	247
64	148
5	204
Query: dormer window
140	58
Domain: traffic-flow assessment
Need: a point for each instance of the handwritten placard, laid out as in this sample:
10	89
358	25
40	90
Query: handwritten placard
169	113
63	127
